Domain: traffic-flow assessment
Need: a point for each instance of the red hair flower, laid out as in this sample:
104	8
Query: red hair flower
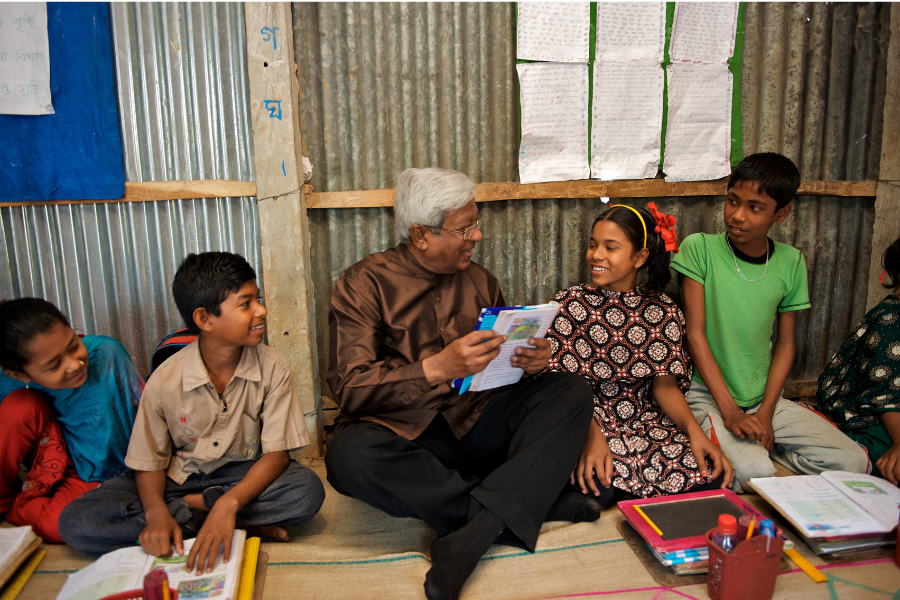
665	227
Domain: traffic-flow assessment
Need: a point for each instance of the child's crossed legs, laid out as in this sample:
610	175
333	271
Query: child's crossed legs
805	441
112	516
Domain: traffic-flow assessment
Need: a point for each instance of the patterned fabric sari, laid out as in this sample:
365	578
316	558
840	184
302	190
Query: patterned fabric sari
862	380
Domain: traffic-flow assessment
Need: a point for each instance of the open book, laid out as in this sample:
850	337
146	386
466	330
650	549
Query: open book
834	504
16	545
124	570
518	324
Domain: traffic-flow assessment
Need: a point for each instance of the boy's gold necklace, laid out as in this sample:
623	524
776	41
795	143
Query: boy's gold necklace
734	256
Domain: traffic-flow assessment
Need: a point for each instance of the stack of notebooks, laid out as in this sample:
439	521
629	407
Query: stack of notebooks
837	511
17	544
674	527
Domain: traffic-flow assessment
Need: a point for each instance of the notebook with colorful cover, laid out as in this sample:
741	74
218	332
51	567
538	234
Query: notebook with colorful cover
518	324
124	570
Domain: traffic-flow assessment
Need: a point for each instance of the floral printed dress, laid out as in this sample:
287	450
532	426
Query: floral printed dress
862	379
620	341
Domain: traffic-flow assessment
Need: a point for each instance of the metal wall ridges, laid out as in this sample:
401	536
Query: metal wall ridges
184	114
813	89
386	86
389	86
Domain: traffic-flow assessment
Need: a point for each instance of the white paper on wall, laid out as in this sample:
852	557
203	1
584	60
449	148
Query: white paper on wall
627	119
554	99
698	128
630	30
703	32
553	31
24	59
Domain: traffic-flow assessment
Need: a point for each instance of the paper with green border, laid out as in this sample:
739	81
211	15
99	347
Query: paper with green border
736	152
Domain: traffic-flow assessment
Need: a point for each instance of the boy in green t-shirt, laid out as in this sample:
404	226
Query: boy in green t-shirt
736	286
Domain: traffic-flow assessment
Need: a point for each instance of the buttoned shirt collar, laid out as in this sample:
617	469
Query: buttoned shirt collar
408	260
196	374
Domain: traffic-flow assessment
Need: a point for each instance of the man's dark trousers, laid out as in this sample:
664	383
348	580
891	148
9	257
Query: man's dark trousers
514	461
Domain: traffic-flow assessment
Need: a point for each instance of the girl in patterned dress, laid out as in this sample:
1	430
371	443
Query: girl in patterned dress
626	340
859	390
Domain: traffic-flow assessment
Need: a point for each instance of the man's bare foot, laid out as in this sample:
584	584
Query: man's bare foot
276	532
196	501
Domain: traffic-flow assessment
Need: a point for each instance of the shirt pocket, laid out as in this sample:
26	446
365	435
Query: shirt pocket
249	432
461	325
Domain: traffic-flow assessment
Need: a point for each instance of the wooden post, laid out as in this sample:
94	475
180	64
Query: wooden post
283	225
887	194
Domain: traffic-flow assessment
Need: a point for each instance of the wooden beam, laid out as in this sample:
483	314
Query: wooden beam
182	190
800	388
886	228
283	224
638	188
849	189
152	191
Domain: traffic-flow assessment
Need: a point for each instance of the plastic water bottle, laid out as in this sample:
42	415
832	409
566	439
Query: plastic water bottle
725	536
767	528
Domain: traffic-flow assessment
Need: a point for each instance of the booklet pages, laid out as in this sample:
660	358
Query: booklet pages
835	504
518	324
124	570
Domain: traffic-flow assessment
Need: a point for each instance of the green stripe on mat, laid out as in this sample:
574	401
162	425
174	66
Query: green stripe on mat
418	556
548	550
61	572
389	560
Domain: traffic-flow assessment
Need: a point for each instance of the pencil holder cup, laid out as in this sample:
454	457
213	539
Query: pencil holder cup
137	595
747	573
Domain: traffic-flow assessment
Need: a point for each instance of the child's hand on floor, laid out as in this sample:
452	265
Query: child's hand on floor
705	451
161	530
218	529
596	458
889	465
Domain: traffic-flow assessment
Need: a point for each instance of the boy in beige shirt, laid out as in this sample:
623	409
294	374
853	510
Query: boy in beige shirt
209	448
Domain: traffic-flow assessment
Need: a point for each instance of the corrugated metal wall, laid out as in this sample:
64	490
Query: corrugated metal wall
184	114
813	88
390	86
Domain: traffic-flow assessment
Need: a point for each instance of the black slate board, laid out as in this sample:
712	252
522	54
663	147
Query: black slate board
689	517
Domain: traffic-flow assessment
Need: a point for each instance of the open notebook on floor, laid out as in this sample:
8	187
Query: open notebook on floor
16	545
124	570
836	510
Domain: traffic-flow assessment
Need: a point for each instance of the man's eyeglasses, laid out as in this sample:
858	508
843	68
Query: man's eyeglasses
468	231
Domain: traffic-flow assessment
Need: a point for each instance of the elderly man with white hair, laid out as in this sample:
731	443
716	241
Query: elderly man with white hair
472	465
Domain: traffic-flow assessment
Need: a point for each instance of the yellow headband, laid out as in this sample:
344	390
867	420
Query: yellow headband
644	225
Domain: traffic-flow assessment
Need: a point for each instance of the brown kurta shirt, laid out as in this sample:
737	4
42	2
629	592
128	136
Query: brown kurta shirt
388	314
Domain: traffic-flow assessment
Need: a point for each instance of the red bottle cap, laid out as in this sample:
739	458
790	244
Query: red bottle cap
727	524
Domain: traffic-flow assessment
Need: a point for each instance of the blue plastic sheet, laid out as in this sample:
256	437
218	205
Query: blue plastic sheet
75	154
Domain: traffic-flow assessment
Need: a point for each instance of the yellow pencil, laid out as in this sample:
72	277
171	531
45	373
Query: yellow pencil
646	518
15	585
750	527
248	569
815	574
